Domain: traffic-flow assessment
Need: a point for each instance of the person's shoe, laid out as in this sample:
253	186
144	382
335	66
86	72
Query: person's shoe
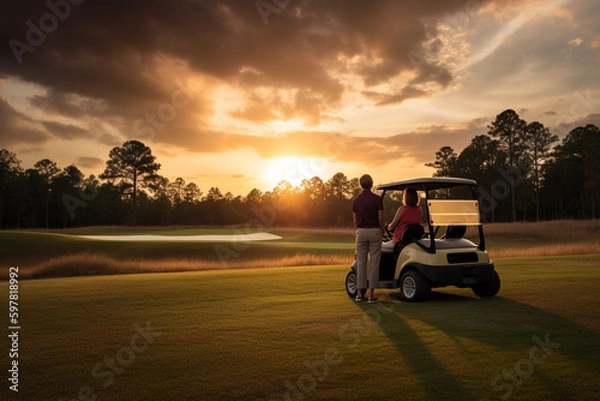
359	298
372	300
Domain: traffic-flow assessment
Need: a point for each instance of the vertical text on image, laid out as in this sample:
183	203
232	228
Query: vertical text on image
13	328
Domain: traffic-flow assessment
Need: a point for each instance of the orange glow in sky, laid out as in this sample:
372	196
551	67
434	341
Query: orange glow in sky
227	96
293	170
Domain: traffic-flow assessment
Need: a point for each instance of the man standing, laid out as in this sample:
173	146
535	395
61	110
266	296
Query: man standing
367	214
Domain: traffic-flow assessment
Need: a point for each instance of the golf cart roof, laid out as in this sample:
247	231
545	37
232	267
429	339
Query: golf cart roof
426	183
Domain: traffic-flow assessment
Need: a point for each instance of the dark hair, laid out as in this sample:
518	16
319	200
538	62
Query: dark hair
366	182
410	197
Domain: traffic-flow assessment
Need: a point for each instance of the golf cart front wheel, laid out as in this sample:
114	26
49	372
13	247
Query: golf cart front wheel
489	288
414	287
352	285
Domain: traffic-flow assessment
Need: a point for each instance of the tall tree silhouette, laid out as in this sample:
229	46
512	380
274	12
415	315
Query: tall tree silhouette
538	143
445	162
67	184
130	165
510	129
47	170
339	190
9	171
480	159
580	149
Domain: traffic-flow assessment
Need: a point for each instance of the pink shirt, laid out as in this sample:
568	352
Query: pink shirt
410	215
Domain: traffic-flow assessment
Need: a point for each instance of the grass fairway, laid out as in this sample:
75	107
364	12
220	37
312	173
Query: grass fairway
48	254
63	253
264	333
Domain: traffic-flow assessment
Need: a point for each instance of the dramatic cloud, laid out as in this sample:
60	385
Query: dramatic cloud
89	162
377	80
16	128
112	58
417	146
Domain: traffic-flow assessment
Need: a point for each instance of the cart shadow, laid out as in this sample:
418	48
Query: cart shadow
497	323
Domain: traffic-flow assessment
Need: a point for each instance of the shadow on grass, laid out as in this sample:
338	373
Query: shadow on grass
434	378
498	328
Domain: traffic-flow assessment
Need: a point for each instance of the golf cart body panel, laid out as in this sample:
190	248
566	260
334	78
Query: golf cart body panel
457	266
430	262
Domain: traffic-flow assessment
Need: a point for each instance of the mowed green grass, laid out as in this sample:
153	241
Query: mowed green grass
266	333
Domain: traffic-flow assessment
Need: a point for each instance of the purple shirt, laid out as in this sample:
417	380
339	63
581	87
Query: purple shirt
366	206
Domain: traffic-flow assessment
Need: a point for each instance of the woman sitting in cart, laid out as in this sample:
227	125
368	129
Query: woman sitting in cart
409	213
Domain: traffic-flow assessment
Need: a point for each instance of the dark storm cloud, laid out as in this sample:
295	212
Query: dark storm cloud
69	104
18	128
103	59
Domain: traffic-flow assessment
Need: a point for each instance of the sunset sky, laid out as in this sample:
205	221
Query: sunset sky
242	94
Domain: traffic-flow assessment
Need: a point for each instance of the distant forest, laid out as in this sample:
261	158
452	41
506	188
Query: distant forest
523	172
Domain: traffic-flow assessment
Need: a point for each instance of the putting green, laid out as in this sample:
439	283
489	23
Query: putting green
186	238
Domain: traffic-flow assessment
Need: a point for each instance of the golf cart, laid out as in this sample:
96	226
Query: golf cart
439	255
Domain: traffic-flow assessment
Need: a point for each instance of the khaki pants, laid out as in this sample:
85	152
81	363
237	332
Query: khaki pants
368	246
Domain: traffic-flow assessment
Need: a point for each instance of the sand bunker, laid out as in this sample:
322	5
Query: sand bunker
189	238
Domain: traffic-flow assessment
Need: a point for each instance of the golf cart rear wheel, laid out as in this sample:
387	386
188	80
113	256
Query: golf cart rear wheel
489	288
414	287
352	285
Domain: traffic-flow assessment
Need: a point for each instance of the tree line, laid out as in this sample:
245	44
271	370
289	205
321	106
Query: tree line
523	173
131	192
526	174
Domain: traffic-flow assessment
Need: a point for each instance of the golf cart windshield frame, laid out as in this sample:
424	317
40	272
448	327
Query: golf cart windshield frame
468	208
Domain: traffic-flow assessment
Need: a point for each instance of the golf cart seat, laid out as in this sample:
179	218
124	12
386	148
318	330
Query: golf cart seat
455	232
410	234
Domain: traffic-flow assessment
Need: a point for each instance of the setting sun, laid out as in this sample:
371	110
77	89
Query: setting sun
300	89
293	169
